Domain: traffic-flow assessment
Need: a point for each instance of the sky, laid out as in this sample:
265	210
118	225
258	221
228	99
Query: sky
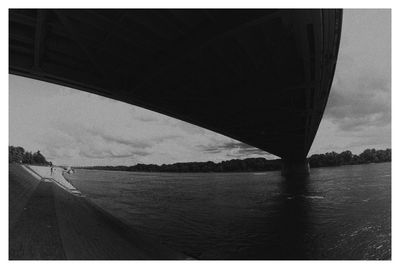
72	127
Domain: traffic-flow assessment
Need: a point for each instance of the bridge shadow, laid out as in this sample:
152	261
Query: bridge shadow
289	227
292	224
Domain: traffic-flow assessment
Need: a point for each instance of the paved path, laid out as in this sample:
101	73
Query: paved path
48	221
57	176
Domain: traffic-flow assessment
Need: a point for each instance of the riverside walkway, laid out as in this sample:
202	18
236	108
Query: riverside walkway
57	177
50	220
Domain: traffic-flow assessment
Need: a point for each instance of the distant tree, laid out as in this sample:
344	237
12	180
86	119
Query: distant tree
384	155
28	158
15	154
368	156
19	155
345	157
38	158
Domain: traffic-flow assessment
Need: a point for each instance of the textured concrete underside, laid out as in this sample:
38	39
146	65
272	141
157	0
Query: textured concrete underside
260	76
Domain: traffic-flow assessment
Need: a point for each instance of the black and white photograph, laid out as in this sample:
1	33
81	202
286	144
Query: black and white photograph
229	134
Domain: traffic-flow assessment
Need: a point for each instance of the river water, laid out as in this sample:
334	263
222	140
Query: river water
337	213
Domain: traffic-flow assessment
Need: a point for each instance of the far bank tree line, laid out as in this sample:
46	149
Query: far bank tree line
19	155
258	164
346	158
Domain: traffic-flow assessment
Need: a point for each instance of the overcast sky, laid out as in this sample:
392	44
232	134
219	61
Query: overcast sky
57	120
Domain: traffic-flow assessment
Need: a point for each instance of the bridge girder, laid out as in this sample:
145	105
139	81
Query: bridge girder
260	76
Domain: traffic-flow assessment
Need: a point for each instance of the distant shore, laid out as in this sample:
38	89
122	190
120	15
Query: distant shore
329	159
20	156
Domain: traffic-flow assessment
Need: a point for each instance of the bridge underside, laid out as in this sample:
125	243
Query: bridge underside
260	76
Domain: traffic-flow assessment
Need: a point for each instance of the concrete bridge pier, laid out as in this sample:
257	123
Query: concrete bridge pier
295	167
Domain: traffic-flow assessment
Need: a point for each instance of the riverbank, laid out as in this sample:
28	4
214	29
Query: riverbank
329	159
50	219
194	168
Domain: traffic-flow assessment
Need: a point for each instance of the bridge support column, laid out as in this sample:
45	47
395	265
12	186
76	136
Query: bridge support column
295	168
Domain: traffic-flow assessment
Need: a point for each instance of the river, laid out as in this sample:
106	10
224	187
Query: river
337	213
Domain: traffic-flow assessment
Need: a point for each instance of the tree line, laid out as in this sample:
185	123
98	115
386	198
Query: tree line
347	157
19	155
257	164
246	165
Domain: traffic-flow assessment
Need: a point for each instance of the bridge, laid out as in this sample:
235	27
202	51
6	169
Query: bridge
259	76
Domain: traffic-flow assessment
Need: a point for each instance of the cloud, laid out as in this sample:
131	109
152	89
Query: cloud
361	92
110	154
233	149
78	128
121	140
355	104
